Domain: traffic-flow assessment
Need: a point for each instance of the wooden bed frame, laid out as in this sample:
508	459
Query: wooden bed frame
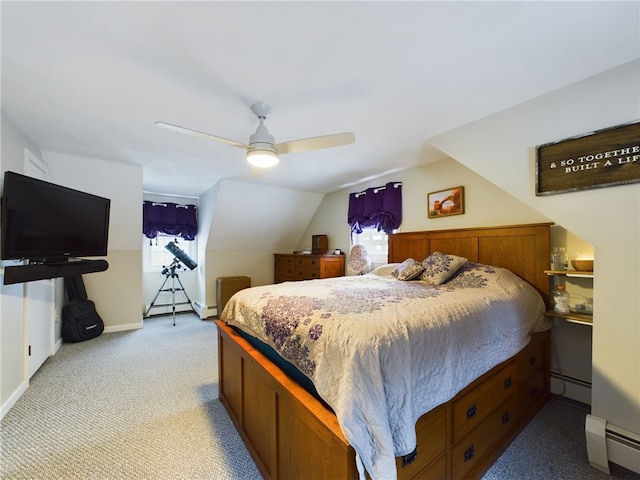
290	434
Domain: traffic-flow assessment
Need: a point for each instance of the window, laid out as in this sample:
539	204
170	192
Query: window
375	242
156	256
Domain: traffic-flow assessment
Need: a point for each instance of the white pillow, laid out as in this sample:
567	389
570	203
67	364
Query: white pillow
439	267
384	270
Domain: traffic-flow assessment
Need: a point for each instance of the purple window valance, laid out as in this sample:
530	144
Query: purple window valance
376	207
169	218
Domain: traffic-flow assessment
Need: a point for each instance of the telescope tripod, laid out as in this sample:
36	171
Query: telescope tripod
170	273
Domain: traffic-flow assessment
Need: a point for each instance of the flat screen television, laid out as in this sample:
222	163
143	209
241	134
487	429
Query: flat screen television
44	222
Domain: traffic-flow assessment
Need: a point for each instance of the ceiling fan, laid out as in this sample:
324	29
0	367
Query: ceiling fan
262	151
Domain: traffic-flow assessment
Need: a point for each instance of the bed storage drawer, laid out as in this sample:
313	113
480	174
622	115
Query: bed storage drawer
472	450
431	432
435	471
533	375
531	393
479	402
531	361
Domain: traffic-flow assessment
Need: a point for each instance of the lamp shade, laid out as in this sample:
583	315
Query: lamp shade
359	261
262	158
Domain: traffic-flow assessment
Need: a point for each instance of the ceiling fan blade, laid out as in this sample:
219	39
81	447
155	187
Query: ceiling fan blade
316	143
196	133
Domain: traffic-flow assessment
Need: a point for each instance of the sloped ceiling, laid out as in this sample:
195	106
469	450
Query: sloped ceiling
91	78
259	217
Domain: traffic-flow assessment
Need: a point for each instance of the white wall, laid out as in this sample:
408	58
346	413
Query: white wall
242	224
502	149
485	204
13	372
116	292
206	291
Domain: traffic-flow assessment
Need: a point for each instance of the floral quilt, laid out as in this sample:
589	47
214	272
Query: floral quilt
382	352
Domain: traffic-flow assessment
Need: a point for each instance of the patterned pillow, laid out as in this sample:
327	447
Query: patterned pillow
408	270
438	267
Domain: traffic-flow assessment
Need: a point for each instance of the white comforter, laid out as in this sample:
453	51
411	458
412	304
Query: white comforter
382	352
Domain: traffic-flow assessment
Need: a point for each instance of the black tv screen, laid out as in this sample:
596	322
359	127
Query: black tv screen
45	222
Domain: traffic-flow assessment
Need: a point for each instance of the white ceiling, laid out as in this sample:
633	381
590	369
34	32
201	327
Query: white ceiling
91	78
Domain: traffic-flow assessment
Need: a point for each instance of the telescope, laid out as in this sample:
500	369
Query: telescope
170	273
181	255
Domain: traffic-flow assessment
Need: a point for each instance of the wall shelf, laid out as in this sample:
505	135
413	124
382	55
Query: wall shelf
580	318
570	273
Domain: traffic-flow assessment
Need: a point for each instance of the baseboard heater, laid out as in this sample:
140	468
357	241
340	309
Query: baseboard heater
627	439
609	443
570	387
205	311
569	379
623	447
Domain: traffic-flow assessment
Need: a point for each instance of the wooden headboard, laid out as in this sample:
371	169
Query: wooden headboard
523	249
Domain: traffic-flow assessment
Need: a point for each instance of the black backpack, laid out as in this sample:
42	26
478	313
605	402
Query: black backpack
80	320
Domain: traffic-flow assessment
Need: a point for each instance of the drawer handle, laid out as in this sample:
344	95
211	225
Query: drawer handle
507	382
505	417
410	458
471	412
469	453
532	361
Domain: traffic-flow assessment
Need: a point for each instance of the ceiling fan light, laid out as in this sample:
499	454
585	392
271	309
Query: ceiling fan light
262	158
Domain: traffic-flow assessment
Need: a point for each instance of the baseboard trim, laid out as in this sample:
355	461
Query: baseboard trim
6	406
57	346
123	328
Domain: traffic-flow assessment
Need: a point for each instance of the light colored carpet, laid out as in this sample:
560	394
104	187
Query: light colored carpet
144	405
136	405
553	447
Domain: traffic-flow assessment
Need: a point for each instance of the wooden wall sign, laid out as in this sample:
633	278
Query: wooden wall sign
598	159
